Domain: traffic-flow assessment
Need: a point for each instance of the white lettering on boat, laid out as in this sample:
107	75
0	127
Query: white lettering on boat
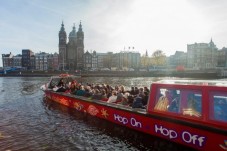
165	132
120	119
133	122
194	139
187	137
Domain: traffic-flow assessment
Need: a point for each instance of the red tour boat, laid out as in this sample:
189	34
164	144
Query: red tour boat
192	113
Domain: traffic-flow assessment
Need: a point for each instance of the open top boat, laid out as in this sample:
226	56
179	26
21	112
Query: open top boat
192	113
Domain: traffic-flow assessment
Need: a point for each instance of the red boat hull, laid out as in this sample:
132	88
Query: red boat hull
189	133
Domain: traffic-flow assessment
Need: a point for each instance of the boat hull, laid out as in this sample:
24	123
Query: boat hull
191	134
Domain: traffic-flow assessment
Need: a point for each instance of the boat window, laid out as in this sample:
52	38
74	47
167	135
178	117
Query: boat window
184	102
168	100
218	106
191	103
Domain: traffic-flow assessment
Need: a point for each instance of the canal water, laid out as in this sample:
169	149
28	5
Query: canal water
30	123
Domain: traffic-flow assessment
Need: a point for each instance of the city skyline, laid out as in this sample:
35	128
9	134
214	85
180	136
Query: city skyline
113	25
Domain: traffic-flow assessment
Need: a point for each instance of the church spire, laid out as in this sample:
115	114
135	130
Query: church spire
211	44
80	27
62	26
74	26
62	35
146	54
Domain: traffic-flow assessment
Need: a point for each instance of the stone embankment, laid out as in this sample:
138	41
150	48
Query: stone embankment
181	74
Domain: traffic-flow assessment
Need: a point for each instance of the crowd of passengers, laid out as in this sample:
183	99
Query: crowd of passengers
135	97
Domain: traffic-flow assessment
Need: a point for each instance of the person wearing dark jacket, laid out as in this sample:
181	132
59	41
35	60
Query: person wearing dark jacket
137	103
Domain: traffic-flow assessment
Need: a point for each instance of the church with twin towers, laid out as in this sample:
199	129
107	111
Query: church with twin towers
71	52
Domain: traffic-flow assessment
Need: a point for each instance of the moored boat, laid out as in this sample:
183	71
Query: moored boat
192	113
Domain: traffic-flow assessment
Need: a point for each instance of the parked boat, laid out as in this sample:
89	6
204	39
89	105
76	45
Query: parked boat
192	113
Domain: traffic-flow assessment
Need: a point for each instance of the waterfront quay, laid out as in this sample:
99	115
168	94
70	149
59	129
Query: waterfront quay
207	74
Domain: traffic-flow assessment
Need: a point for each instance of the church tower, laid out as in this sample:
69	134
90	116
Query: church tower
71	53
71	49
80	47
62	47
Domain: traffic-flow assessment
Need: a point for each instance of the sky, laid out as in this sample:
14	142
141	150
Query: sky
113	25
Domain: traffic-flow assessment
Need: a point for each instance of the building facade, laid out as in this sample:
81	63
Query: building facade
179	59
87	60
17	61
41	61
127	59
52	61
28	59
101	60
7	60
202	55
222	57
71	54
94	62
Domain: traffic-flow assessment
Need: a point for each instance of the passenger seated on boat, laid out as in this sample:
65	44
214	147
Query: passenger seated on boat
145	89
145	98
136	91
61	89
122	88
108	89
88	92
74	92
97	95
60	83
137	103
124	100
119	95
113	97
81	91
72	86
60	86
104	95
130	100
116	88
132	92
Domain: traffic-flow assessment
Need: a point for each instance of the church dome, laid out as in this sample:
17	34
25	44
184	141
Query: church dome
72	34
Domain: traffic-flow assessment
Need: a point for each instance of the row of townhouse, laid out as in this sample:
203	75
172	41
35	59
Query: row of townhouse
198	56
45	61
121	60
28	60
